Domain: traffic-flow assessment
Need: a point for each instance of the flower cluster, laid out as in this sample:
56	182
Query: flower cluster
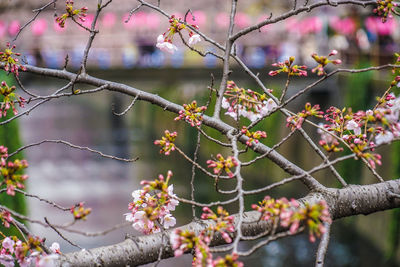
359	129
192	114
164	41
12	63
80	212
184	240
314	217
28	253
71	12
6	218
253	136
296	121
345	124
3	155
152	205
230	260
222	164
10	172
167	142
9	99
247	103
276	209
289	68
385	8
328	141
290	214
323	61
223	222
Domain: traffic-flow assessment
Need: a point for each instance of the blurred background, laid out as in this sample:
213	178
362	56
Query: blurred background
126	53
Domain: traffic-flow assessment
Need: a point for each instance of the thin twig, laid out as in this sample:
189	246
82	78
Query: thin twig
192	189
61	235
38	11
37	197
73	146
127	109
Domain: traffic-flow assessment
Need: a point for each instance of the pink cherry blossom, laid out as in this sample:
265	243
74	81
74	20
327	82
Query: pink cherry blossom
8	243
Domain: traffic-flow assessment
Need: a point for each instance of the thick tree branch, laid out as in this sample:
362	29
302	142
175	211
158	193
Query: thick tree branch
350	201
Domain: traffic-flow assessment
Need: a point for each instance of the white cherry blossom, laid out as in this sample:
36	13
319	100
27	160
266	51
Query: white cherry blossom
352	125
167	47
384	137
169	221
194	39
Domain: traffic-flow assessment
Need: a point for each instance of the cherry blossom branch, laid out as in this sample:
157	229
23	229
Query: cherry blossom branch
26	112
330	74
162	12
287	114
380	179
217	124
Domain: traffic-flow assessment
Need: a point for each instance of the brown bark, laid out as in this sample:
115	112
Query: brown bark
349	201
